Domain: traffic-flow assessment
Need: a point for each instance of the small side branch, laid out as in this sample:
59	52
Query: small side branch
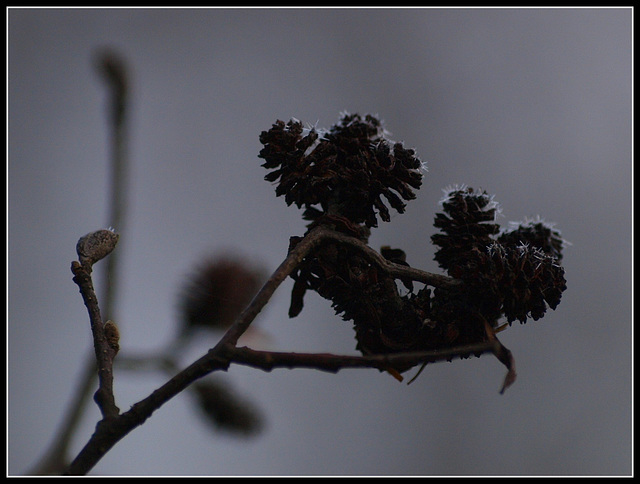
504	355
104	353
113	69
91	248
395	270
268	360
311	240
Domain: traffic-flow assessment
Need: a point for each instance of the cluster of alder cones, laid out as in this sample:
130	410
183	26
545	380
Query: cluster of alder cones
348	176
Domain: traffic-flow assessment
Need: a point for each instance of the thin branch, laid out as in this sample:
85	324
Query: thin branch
268	360
108	433
220	357
92	248
103	349
113	70
311	240
395	270
504	355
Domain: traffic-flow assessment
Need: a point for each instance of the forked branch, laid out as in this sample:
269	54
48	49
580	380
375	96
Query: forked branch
115	426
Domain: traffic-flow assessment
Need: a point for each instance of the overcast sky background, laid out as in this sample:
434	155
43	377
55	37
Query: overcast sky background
533	105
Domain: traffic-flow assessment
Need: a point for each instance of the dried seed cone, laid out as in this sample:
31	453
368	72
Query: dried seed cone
217	292
465	226
350	171
225	410
535	233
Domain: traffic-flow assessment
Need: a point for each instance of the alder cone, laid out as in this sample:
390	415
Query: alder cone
348	177
352	170
384	320
217	292
465	226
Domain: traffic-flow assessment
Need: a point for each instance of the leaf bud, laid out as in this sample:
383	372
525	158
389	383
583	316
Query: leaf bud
96	246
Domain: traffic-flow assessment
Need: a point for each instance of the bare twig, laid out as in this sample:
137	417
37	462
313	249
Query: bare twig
268	360
291	262
395	270
107	434
104	353
114	71
92	248
504	355
225	352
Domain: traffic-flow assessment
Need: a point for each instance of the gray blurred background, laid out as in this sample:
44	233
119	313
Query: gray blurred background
533	105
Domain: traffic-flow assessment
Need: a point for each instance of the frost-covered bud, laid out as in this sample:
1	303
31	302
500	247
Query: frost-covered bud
465	224
545	284
537	233
518	282
96	246
528	281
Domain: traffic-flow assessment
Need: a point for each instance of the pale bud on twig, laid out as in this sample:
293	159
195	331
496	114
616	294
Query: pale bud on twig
96	246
